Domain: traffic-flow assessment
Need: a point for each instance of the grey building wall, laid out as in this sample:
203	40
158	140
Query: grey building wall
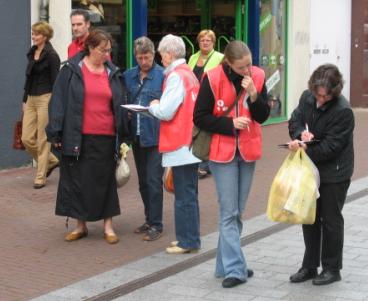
15	36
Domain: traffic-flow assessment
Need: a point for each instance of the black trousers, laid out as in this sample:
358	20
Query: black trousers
148	164
324	240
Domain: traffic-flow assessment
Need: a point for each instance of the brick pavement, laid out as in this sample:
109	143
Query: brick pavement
36	260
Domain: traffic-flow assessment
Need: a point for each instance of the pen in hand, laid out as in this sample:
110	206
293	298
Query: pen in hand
306	135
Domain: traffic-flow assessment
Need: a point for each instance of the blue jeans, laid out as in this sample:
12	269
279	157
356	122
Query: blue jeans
149	169
233	181
186	206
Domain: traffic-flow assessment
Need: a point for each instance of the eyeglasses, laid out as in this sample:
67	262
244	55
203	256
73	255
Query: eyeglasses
104	51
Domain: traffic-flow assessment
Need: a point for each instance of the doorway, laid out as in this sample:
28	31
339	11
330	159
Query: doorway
186	18
359	54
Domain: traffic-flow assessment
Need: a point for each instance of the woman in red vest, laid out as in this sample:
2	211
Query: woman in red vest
231	104
175	110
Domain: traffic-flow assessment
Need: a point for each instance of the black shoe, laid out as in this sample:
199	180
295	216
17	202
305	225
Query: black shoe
142	229
250	273
152	234
202	173
303	274
38	186
231	282
51	169
327	277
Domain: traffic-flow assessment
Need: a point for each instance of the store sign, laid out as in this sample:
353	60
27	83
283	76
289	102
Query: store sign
273	80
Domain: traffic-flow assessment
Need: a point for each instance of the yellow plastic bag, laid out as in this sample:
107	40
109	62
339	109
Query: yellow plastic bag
294	190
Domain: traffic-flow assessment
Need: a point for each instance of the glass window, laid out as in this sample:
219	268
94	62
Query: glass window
223	22
272	29
109	15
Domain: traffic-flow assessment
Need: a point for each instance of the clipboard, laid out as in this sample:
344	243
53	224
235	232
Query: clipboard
286	145
138	109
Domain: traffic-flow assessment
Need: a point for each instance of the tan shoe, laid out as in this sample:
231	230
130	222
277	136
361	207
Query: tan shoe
174	243
111	238
72	236
178	250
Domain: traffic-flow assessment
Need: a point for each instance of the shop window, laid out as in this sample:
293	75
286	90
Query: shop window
272	30
181	18
223	22
110	16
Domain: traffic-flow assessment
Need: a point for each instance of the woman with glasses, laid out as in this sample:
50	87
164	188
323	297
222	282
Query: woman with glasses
203	60
231	104
324	114
86	125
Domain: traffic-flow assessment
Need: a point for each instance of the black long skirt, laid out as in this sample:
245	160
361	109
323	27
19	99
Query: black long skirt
87	187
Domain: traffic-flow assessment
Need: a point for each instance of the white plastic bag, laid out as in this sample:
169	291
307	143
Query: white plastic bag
122	173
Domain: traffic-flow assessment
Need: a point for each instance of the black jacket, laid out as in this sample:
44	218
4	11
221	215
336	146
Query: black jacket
41	74
333	125
66	106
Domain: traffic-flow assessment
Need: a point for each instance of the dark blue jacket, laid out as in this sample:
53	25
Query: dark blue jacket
152	89
66	106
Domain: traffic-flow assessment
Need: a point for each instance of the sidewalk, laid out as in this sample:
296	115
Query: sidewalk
273	259
36	260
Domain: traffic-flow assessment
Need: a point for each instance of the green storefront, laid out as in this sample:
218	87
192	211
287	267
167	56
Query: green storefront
260	23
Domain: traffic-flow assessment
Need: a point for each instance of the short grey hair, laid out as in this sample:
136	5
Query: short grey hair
143	45
173	45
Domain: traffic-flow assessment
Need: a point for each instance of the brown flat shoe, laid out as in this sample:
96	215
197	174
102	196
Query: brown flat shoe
111	238
72	236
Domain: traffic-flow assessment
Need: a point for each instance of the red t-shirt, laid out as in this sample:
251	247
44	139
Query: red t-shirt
75	47
98	118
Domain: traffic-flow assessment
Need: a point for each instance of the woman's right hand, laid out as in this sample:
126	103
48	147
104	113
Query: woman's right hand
240	123
307	136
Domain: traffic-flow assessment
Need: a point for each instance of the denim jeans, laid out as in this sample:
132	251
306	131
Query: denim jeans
233	181
149	169
186	206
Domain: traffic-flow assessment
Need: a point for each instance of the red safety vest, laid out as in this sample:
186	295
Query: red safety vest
177	132
223	147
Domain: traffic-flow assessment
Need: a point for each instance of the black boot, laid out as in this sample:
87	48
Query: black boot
303	274
327	277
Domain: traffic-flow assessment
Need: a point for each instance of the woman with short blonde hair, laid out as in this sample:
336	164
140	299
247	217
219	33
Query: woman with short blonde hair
42	69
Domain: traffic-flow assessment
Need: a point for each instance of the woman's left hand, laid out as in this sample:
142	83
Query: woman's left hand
295	144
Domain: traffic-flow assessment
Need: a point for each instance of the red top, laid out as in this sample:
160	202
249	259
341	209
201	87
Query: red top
98	118
75	47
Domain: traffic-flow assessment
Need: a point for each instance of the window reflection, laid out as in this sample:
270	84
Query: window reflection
108	15
272	52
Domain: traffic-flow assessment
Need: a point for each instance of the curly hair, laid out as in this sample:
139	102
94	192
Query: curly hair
329	77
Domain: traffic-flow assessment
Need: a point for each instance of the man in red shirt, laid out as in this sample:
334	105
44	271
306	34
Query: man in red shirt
80	20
